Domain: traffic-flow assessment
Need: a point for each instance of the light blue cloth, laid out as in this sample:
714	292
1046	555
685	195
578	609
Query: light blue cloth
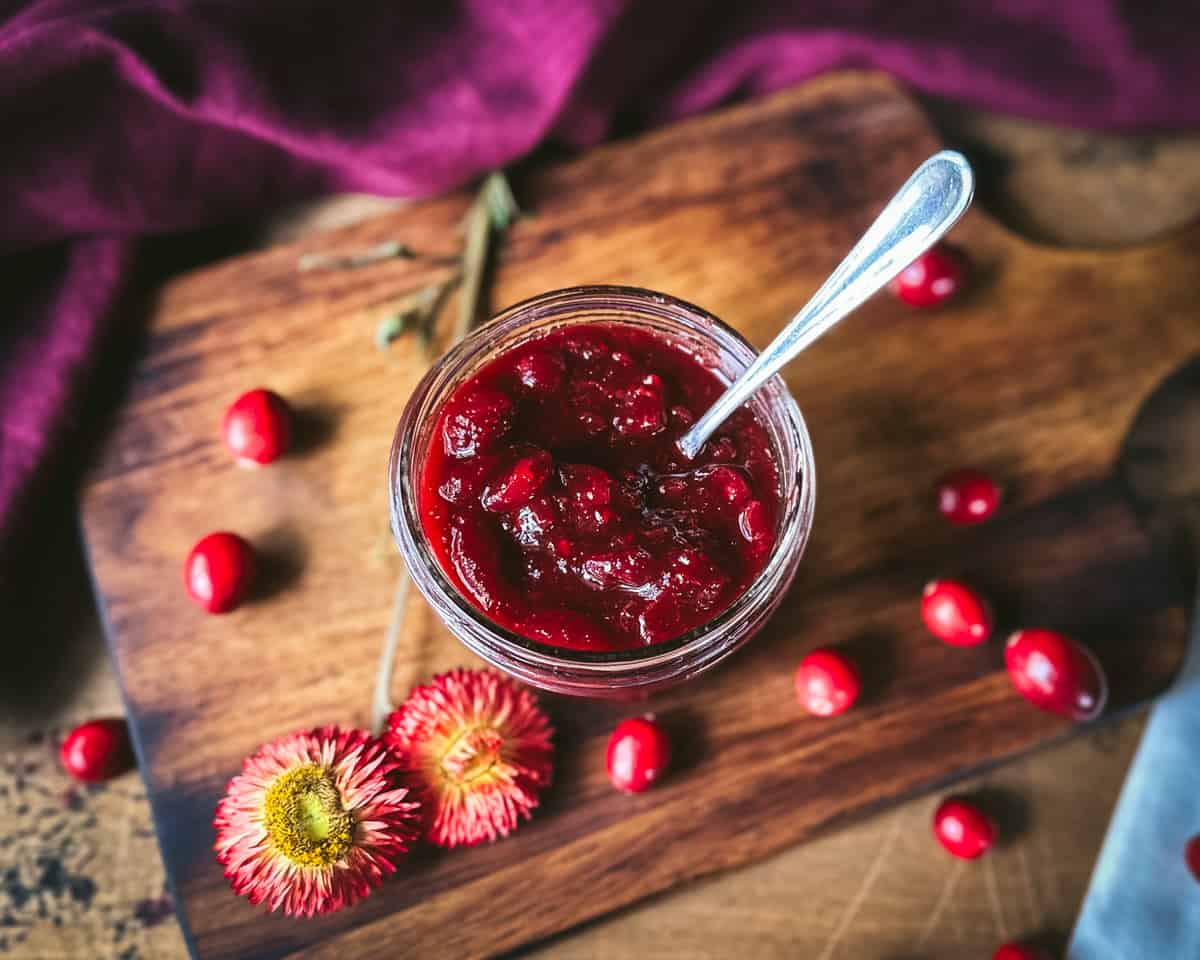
1143	903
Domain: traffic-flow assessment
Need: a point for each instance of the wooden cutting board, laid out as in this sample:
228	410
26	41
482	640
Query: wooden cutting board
1036	375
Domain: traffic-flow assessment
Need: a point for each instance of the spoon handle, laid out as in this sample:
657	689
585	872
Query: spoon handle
928	205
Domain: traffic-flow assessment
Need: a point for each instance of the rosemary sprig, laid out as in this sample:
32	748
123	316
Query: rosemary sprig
388	250
491	214
418	311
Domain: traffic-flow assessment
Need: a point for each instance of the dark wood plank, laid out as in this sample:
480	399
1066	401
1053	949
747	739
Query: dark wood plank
1036	375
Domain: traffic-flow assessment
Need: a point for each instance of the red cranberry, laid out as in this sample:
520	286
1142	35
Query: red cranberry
475	420
640	413
1018	951
754	527
218	571
97	750
530	525
966	497
586	485
692	578
540	372
933	278
257	427
519	484
1055	673
639	753
826	683
963	829
660	619
729	486
955	613
631	567
1191	856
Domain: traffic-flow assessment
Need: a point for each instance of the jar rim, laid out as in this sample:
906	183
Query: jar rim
526	657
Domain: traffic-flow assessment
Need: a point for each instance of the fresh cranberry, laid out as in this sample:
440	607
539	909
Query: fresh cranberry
257	427
955	613
475	420
639	752
218	571
827	683
1191	856
540	372
1018	951
1055	673
967	497
519	484
97	750
963	829
933	278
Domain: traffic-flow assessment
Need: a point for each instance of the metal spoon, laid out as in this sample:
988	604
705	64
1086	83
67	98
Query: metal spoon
928	205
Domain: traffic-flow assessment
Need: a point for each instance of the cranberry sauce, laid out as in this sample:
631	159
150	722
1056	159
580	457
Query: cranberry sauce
556	501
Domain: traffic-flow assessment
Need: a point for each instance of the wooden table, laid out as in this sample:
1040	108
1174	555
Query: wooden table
88	881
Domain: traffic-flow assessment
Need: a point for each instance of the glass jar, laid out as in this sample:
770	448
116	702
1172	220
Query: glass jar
621	673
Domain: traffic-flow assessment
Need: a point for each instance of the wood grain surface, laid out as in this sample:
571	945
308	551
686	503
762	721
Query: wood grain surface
1034	375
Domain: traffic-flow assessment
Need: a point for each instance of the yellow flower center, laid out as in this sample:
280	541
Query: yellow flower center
472	754
304	817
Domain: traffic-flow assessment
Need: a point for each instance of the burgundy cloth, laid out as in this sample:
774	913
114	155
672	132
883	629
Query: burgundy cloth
129	117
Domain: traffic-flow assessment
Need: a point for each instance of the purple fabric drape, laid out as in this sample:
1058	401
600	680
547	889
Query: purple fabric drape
130	117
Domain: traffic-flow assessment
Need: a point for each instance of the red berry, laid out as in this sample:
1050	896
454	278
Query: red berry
639	753
963	829
218	571
519	484
540	372
826	683
257	427
1191	856
475	420
1018	951
729	486
933	278
640	413
966	497
1055	673
97	750
955	613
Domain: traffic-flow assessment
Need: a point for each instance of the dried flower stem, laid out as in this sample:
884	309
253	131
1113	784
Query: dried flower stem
388	250
381	702
491	213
